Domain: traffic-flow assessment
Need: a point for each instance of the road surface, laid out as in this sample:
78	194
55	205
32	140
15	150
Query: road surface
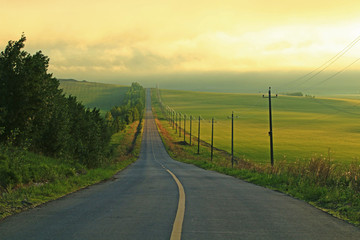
159	198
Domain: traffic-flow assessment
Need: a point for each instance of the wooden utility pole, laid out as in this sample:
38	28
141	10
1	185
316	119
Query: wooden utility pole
270	125
179	124
190	127
184	128
232	139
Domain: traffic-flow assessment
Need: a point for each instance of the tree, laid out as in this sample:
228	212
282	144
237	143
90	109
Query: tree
135	113
131	110
33	107
27	91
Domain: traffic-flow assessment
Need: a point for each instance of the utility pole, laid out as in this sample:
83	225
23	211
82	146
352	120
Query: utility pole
199	136
184	128
212	138
179	124
232	139
270	125
190	127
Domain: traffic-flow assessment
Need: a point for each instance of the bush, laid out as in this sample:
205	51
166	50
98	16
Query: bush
8	177
296	94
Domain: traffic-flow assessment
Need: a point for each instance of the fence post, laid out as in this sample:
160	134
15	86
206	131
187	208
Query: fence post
173	118
190	127
176	122
184	128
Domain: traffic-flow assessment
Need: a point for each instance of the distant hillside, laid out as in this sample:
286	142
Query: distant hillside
92	94
69	80
253	82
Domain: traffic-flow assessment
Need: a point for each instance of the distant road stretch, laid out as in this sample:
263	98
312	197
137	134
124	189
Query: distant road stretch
159	198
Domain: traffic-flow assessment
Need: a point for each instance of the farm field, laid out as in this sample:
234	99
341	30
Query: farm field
303	127
92	94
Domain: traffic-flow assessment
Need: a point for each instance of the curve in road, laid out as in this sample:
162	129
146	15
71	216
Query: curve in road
142	202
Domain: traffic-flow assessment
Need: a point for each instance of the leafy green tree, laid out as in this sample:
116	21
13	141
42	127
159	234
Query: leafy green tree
57	134
109	118
135	113
131	109
32	106
27	91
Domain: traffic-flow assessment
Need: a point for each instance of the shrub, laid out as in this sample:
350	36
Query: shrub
8	176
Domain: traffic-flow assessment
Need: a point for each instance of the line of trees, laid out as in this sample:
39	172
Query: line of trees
131	110
37	116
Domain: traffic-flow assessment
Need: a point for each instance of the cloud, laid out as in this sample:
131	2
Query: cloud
278	46
137	53
134	39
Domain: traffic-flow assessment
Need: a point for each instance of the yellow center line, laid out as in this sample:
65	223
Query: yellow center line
179	219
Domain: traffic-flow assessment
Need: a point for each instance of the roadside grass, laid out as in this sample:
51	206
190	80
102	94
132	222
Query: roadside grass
41	179
92	94
302	126
328	185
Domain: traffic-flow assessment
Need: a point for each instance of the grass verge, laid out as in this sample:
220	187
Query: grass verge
332	187
55	179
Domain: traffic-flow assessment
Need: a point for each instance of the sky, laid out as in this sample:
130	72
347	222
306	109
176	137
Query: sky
108	39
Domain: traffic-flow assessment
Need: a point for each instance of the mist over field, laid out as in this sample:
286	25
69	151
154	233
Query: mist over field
324	83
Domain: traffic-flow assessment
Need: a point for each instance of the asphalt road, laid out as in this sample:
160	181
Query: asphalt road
145	200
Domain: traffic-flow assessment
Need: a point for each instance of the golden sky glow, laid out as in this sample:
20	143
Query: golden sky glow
88	39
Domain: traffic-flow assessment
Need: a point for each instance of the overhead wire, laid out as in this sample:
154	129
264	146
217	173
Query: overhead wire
307	77
325	65
334	75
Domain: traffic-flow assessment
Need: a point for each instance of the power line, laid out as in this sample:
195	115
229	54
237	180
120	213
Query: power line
335	74
325	65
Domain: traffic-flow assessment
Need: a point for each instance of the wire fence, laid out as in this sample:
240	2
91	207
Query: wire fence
230	132
189	127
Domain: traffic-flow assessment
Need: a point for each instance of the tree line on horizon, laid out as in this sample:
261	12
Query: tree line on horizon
131	110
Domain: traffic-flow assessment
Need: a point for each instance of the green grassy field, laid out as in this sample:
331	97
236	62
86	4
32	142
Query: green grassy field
302	127
332	187
91	94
